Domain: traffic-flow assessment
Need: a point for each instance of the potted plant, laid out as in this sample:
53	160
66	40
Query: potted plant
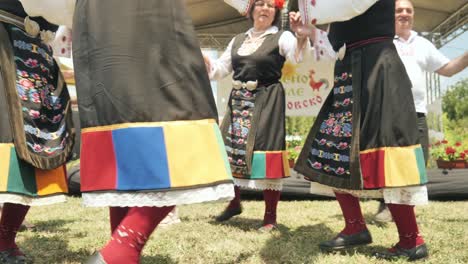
450	156
294	147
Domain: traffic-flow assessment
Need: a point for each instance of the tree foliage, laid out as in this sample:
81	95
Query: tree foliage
455	101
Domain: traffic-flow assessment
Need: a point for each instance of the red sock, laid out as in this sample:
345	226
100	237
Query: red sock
271	198
116	214
131	235
236	201
12	217
405	220
352	213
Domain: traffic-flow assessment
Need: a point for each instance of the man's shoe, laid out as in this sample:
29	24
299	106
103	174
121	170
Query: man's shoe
12	256
228	214
267	228
96	258
416	253
343	241
383	215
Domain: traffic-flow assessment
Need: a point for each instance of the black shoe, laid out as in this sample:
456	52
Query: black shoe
228	214
343	241
11	256
96	258
418	252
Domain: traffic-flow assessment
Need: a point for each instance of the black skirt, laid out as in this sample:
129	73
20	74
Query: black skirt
366	136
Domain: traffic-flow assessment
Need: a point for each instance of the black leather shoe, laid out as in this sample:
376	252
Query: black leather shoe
96	258
228	214
343	241
10	256
418	252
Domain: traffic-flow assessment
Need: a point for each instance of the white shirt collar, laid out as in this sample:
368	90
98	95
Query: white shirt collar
413	35
270	30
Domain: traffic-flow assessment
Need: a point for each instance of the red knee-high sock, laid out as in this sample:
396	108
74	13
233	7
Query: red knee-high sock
12	217
131	235
116	214
236	201
352	213
271	198
405	220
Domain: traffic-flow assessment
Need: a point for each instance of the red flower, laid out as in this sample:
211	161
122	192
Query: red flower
279	4
450	150
458	144
462	155
444	141
437	143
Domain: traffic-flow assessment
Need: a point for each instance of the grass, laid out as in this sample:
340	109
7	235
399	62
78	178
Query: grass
69	233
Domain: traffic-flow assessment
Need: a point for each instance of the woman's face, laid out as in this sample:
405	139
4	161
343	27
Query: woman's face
264	12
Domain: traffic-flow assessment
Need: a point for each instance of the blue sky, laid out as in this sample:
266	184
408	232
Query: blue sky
452	50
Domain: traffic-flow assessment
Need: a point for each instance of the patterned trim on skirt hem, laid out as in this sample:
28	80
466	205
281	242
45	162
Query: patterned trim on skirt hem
30	201
222	192
412	195
264	184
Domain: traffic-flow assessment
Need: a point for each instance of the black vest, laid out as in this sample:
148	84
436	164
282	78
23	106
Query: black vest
264	64
377	21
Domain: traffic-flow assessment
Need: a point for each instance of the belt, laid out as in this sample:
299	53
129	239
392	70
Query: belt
249	85
364	42
348	47
30	26
12	19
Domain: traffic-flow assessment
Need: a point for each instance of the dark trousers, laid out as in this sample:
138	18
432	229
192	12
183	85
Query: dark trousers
423	135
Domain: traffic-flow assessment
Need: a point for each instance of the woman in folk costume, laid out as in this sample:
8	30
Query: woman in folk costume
150	138
36	131
365	138
253	128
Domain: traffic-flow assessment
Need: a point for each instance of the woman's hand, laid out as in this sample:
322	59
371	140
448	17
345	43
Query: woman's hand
207	63
301	30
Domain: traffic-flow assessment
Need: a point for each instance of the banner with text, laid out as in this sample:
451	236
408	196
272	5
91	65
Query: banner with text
306	84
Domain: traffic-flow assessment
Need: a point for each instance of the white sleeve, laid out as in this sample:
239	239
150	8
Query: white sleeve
288	47
221	67
58	12
328	11
323	48
434	58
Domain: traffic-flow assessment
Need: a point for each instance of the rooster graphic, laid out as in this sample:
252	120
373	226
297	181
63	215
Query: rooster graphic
315	85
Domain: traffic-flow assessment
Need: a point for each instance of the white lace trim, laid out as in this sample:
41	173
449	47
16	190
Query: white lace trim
412	195
32	201
267	184
223	192
250	45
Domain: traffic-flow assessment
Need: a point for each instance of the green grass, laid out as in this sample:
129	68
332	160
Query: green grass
69	233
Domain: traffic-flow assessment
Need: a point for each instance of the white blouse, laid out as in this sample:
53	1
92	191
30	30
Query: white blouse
59	12
287	43
326	11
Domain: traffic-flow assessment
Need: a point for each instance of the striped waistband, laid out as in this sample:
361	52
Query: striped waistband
365	42
12	19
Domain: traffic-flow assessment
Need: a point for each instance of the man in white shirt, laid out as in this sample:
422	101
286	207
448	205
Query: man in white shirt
419	56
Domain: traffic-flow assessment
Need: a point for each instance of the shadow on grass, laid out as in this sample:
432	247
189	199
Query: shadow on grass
245	224
52	249
160	259
369	218
45	226
48	243
300	245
